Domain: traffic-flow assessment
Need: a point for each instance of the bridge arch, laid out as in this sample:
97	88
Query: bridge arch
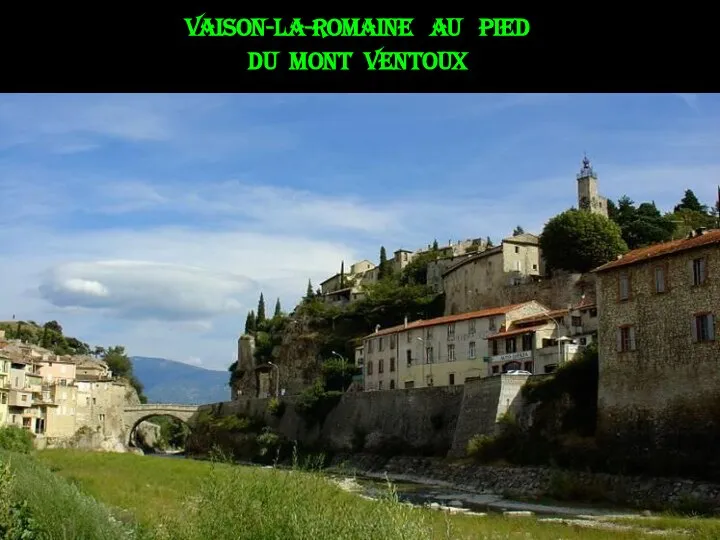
133	415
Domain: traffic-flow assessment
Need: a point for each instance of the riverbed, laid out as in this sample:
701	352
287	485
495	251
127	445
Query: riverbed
441	496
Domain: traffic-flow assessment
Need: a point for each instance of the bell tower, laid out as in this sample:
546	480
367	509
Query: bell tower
588	197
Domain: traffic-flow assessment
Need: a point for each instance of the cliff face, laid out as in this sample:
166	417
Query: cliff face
296	359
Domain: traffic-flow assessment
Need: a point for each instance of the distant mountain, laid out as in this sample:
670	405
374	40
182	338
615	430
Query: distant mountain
167	381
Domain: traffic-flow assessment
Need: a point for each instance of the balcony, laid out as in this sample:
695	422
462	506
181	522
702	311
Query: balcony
16	398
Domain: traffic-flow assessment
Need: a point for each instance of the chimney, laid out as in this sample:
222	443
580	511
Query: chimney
377	328
405	323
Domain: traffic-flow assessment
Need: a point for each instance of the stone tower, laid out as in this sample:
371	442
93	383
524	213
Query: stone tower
588	197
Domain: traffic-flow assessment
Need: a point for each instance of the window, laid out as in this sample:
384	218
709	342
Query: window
370	368
380	385
527	342
491	323
451	331
583	341
381	366
408	357
429	355
698	269
451	379
659	279
495	347
528	367
392	365
624	286
101	417
510	345
471	327
471	349
534	266
626	339
451	353
495	369
409	384
370	346
703	328
392	342
576	321
392	384
428	333
4	398
517	249
409	336
380	344
593	313
23	397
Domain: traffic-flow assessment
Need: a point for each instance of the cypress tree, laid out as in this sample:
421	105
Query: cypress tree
260	318
278	310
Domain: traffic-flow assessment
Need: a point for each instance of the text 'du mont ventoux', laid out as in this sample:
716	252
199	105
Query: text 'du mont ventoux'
378	59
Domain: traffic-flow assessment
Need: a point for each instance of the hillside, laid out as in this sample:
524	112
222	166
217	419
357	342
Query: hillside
167	381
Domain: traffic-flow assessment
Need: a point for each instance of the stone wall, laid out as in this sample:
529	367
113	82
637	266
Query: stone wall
557	292
484	401
645	493
422	420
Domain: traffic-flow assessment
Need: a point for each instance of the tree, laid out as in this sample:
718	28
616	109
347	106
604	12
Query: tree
643	225
309	294
342	274
118	362
98	352
278	310
54	326
382	268
489	242
518	231
435	245
579	241
250	322
690	202
415	272
260	317
338	374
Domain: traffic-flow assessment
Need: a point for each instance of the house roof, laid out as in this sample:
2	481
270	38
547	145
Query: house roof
423	323
515	331
554	314
330	278
524	238
641	255
488	252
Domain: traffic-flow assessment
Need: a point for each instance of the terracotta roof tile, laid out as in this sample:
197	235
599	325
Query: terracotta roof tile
515	331
660	250
423	323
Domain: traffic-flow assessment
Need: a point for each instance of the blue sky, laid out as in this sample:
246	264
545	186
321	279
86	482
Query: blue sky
154	221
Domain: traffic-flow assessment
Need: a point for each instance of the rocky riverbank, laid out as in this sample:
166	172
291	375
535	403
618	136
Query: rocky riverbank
539	482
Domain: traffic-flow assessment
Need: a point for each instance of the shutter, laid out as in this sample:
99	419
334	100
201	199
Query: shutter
618	339
632	338
711	324
692	273
694	329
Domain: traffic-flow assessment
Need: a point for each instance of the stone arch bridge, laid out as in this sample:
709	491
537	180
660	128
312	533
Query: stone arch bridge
134	414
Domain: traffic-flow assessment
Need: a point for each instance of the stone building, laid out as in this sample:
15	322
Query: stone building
436	352
658	347
541	343
473	282
588	196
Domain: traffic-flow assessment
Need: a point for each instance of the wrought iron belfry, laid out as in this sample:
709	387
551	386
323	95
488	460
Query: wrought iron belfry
586	171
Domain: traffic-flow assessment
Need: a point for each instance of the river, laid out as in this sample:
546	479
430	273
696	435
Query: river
443	497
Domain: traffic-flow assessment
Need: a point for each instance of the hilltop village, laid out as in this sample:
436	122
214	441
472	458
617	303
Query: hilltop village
63	400
617	286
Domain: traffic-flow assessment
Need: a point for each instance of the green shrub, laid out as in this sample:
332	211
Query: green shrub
314	403
16	439
276	407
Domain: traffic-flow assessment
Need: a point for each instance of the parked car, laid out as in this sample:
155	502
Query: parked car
517	372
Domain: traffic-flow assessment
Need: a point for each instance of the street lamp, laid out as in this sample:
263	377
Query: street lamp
277	379
341	357
560	339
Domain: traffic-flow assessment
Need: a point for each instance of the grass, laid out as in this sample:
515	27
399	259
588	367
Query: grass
192	500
